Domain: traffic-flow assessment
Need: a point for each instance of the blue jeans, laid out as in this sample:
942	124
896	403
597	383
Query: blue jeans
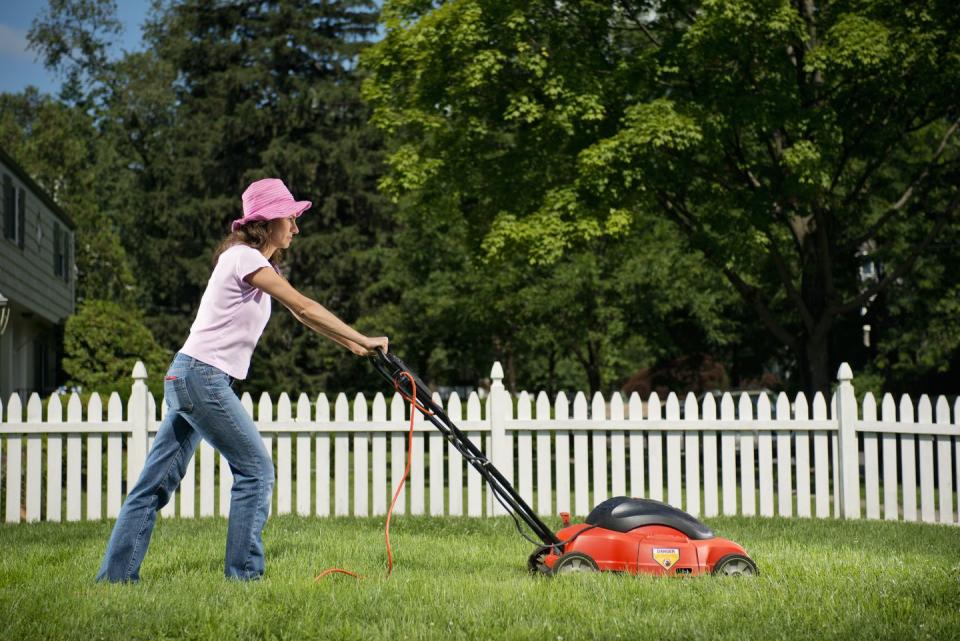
202	404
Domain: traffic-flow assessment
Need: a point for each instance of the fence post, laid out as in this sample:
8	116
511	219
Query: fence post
849	455
497	421
137	410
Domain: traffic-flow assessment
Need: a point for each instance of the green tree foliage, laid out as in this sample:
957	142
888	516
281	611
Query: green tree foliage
227	93
779	139
266	89
102	343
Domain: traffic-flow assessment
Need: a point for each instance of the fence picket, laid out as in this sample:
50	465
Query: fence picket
436	468
691	413
891	505
114	457
417	474
284	457
871	467
398	452
379	447
524	451
728	455
784	457
474	480
655	448
561	414
455	460
34	451
748	479
944	466
321	444
821	461
835	458
908	465
801	412
765	454
618	451
361	457
304	481
674	454
637	458
928	511
544	458
341	456
74	471
581	480
598	415
711	504
94	451
14	443
55	463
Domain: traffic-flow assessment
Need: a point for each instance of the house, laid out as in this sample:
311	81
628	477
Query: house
37	284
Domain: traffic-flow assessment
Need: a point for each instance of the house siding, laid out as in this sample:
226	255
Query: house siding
27	274
38	299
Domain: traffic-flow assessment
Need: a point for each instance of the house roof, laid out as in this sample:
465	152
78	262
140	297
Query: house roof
41	193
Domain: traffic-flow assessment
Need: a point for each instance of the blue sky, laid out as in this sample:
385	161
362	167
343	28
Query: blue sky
18	67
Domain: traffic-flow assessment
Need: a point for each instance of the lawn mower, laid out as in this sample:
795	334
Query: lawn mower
621	534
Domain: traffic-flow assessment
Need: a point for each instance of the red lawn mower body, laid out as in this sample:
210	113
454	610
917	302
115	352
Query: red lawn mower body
643	536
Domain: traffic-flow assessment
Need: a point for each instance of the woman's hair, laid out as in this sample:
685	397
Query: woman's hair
254	234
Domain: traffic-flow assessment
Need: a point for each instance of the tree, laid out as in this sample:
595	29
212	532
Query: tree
778	138
224	94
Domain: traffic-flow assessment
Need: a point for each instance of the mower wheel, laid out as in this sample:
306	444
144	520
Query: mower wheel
574	562
735	565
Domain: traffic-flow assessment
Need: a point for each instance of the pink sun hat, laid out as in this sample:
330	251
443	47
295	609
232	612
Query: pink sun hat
268	199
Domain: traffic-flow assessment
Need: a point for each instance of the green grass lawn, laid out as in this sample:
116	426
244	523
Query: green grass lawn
463	578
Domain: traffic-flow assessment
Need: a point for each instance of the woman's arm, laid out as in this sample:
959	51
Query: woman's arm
313	314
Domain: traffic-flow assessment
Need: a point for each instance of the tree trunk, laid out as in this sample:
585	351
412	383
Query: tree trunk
511	371
817	361
593	369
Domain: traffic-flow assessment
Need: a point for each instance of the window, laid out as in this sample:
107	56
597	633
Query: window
61	252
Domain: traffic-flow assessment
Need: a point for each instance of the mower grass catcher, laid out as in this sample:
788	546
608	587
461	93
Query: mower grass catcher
621	534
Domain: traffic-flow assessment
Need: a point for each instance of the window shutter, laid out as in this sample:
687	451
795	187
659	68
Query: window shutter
67	268
56	249
21	217
8	207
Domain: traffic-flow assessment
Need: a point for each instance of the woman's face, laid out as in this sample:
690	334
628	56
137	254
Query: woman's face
282	231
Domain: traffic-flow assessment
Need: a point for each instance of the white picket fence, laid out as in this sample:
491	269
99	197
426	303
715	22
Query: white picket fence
748	456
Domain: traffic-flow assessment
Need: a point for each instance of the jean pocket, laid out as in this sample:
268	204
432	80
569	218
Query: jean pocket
175	391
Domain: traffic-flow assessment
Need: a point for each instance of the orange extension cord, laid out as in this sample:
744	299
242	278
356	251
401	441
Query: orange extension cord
406	472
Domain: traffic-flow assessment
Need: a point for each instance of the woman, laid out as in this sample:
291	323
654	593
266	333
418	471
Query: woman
233	312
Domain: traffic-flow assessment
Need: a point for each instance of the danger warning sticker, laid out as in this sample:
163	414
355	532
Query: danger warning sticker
666	557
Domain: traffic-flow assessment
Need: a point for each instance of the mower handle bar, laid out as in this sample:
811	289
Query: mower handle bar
391	367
